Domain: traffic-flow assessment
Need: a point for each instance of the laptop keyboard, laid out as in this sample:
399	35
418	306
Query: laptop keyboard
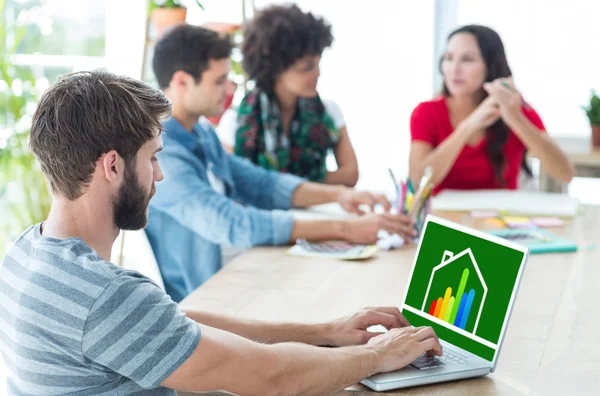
425	362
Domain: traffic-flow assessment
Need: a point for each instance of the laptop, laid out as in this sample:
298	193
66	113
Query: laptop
463	284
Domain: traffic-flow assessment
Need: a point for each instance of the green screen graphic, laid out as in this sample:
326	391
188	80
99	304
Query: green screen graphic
465	282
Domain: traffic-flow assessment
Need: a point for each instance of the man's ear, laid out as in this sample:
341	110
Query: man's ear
180	80
112	165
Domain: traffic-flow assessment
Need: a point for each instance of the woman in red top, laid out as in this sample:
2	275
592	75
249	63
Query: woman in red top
476	135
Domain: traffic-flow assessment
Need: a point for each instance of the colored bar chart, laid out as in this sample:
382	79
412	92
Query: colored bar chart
454	309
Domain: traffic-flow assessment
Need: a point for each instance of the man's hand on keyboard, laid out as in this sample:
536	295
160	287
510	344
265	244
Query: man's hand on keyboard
352	330
400	347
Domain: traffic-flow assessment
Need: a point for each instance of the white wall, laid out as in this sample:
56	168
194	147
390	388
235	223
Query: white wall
125	36
553	50
215	11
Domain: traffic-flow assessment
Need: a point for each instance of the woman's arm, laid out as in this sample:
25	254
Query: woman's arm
442	157
347	172
551	157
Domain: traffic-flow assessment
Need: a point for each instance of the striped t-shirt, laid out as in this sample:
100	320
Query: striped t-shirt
72	323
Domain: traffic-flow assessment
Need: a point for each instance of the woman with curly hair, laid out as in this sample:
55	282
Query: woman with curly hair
283	124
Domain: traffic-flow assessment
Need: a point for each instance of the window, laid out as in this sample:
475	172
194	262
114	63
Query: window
61	35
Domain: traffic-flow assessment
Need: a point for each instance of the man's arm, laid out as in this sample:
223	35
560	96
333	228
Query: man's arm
363	229
350	330
220	219
266	333
262	188
224	361
215	217
273	190
308	194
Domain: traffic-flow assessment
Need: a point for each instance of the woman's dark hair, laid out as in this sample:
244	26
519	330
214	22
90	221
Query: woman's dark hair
277	38
492	51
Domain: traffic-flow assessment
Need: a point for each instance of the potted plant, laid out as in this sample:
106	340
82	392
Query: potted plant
164	13
593	114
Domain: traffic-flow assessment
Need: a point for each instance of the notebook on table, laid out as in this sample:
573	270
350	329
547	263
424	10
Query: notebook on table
507	202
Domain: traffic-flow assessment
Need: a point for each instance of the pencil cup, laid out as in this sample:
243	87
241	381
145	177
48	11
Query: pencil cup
420	217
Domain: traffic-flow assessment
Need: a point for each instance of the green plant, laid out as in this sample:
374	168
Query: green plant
170	4
593	110
24	193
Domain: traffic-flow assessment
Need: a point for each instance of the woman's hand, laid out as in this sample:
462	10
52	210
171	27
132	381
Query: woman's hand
509	100
484	115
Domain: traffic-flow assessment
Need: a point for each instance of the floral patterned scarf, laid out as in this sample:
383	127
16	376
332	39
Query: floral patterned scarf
260	137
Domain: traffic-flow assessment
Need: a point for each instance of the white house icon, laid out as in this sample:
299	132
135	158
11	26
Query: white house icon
447	259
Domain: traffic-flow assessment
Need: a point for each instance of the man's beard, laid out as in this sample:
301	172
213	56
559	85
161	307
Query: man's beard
130	207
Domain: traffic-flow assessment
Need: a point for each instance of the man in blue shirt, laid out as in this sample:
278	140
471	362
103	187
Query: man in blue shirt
211	199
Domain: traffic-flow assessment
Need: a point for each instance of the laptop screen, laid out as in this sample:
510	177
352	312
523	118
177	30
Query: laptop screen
463	284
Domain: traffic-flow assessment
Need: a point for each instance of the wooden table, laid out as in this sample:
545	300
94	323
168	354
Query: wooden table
552	345
584	157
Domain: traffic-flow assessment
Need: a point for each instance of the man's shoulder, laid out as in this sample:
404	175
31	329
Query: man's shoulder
80	262
208	132
174	142
66	271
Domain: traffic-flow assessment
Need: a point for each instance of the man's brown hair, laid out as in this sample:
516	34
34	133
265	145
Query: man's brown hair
187	48
87	114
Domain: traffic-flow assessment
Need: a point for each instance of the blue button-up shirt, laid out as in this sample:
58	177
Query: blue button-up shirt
189	220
